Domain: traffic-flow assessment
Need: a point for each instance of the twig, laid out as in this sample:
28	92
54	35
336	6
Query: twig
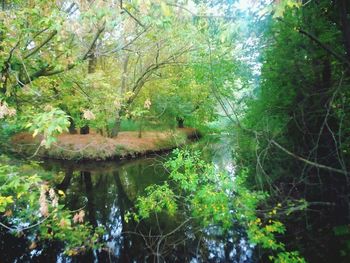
36	49
321	166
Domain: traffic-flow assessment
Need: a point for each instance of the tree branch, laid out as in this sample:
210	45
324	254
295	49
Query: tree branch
321	166
200	16
151	69
36	49
325	47
93	43
46	71
131	15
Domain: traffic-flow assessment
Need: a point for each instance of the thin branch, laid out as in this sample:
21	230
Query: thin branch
93	43
131	15
25	228
152	68
35	36
317	41
36	49
321	166
48	70
200	16
325	47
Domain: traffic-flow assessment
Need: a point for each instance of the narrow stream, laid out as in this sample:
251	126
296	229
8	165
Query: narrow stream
107	190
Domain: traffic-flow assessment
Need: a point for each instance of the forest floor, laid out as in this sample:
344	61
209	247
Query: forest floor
94	146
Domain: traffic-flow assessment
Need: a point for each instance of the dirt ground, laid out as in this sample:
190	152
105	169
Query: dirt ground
95	146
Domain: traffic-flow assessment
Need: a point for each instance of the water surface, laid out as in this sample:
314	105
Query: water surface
107	190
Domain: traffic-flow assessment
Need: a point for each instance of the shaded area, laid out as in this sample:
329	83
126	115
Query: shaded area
107	190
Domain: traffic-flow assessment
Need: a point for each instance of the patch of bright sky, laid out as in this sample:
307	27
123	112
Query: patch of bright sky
259	7
252	6
252	9
243	4
249	9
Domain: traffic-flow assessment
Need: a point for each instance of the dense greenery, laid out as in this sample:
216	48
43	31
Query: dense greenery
32	207
295	132
273	78
211	198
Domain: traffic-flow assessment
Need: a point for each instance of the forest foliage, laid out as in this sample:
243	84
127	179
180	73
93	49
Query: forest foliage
275	78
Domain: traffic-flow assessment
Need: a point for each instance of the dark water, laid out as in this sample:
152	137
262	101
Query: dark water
108	190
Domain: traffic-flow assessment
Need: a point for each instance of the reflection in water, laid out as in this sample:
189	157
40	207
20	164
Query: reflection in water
107	190
90	198
66	180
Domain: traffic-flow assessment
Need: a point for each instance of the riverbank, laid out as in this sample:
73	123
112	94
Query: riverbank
94	146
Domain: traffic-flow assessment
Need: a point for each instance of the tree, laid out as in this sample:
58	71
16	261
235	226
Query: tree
294	134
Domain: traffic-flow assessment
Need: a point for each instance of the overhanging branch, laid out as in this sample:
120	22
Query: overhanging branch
321	166
325	47
48	71
36	49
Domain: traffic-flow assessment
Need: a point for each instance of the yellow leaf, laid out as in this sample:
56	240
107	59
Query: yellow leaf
9	199
60	192
165	9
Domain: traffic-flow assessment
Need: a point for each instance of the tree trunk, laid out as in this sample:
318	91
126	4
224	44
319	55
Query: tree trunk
66	180
140	130
91	69
72	129
180	122
116	127
4	68
85	129
89	190
125	71
344	14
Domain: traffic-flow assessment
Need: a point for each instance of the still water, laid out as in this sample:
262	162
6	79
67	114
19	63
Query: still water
107	190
